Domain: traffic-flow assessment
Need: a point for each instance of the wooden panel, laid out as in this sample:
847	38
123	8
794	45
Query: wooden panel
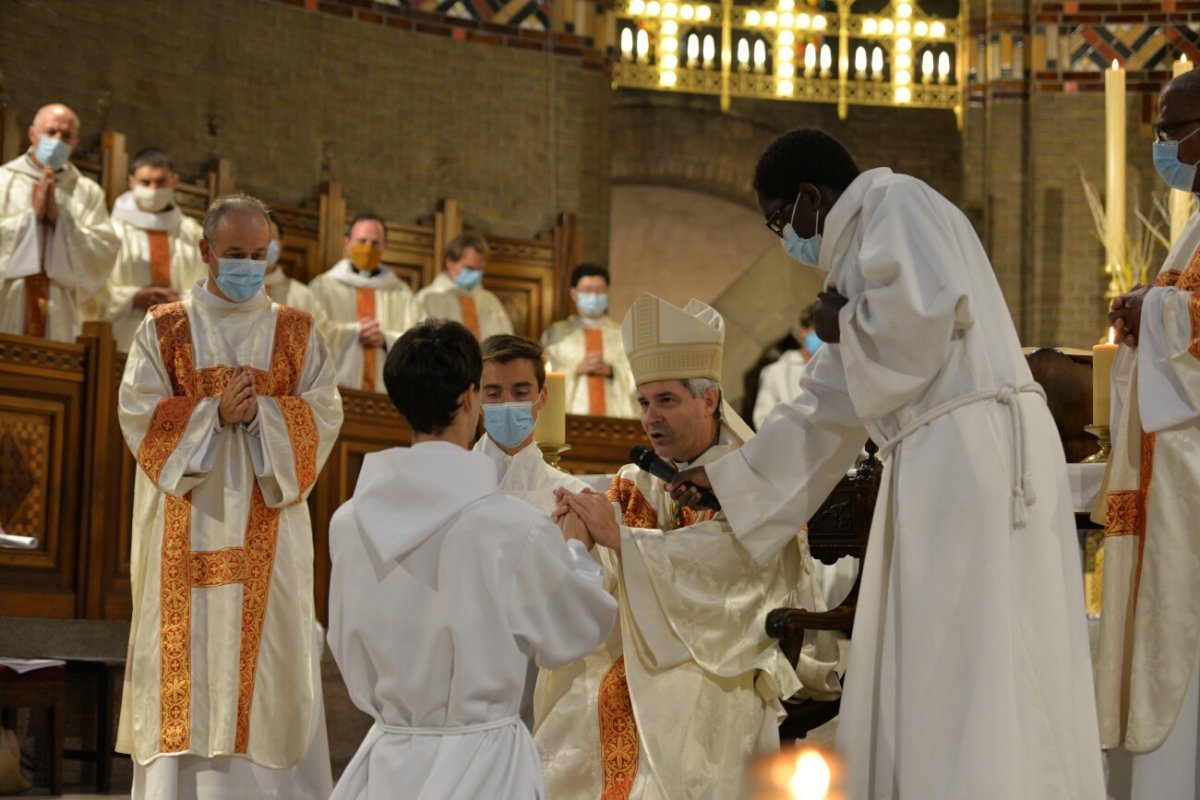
521	273
409	253
600	445
42	407
299	255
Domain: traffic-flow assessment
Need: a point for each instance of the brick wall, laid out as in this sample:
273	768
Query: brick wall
402	118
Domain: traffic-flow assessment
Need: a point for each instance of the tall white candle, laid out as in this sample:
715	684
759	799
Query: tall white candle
1180	202
1114	151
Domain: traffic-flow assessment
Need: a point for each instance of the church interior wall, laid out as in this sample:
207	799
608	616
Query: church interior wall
401	118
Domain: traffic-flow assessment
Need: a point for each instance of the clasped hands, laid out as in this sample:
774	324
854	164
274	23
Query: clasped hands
587	516
239	402
593	364
369	333
45	205
1126	315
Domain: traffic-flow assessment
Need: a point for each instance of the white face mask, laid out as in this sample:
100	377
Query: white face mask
153	199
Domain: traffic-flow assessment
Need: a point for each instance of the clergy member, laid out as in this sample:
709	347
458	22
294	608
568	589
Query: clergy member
587	348
443	588
364	305
457	292
285	290
230	404
688	686
1147	680
967	669
159	257
56	241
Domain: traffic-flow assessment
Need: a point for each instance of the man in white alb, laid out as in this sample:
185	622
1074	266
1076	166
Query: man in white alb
457	292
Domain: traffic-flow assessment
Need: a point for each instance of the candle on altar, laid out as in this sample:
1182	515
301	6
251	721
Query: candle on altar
1102	363
1114	156
551	427
1180	202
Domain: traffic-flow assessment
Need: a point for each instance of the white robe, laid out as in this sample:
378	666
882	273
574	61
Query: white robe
290	292
77	254
968	674
778	383
221	662
1146	676
440	300
442	588
566	347
132	269
337	291
702	681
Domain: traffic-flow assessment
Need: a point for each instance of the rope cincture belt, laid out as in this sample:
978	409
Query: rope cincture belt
457	730
1022	491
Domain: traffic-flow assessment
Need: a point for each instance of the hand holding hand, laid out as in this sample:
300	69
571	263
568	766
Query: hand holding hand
825	314
573	528
596	513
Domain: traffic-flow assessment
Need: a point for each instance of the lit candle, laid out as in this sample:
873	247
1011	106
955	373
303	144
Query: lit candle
551	427
1114	127
1102	363
1180	202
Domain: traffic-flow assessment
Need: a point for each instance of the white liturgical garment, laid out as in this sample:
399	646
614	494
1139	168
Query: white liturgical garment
967	675
442	588
480	310
63	264
568	342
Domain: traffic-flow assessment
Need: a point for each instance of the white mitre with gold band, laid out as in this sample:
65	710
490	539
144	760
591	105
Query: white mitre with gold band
664	342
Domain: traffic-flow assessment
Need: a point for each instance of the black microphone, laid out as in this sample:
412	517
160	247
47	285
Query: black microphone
648	460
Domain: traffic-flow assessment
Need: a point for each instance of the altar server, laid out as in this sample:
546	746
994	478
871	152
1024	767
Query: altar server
1147	680
457	292
688	686
56	241
443	587
967	674
230	404
364	305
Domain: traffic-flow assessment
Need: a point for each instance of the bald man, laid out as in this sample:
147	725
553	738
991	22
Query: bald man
57	246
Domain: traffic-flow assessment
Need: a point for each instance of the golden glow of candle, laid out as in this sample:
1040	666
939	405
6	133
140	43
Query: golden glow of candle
812	777
1114	140
1103	355
1180	202
551	426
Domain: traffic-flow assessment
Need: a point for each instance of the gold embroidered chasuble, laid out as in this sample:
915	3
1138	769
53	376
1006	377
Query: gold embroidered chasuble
1150	619
687	687
221	562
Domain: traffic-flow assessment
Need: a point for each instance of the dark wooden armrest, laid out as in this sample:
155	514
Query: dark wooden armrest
790	623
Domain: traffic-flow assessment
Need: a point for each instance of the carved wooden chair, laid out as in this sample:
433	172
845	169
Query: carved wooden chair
839	528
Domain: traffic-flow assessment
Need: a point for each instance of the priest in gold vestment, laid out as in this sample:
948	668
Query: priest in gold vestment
230	405
587	348
688	685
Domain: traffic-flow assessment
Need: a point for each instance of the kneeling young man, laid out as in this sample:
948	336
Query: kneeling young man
443	587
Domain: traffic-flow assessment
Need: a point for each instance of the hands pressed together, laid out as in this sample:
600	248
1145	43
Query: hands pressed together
593	364
45	206
239	403
369	333
587	516
1126	315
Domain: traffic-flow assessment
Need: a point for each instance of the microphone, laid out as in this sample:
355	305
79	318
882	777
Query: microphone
647	459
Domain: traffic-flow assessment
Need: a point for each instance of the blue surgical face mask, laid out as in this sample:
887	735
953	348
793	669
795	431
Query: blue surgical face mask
1174	172
592	304
508	423
52	152
240	278
812	343
272	253
467	278
806	251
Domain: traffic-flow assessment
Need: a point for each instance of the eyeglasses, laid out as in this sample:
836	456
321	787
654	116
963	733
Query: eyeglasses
778	220
1162	130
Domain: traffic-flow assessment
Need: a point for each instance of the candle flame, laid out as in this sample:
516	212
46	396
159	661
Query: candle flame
1183	58
1112	336
1115	65
812	777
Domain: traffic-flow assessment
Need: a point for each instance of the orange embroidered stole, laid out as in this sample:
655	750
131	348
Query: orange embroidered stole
160	258
183	569
593	339
37	292
364	299
470	315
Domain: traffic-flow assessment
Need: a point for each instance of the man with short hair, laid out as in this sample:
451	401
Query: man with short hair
688	687
56	241
457	292
970	637
281	287
159	259
229	403
441	590
1147	675
587	348
365	306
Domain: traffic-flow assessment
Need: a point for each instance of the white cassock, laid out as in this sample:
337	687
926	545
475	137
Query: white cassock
442	588
346	296
222	693
568	342
968	670
1147	683
157	249
480	310
290	292
526	476
687	688
61	265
